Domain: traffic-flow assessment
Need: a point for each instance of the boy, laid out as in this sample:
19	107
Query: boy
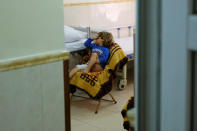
99	55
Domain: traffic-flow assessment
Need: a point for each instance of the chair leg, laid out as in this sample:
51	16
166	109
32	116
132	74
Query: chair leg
98	106
99	101
114	101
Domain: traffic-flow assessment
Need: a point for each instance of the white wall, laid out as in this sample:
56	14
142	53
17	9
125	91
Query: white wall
30	27
32	99
101	15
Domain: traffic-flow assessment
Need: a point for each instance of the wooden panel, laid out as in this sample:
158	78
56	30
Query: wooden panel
194	92
66	96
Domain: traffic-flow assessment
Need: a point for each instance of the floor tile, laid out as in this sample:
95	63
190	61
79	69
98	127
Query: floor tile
85	127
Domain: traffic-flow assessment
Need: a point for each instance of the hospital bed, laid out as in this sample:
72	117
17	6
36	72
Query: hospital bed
125	41
124	36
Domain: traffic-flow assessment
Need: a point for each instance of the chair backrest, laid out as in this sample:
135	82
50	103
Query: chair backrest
117	57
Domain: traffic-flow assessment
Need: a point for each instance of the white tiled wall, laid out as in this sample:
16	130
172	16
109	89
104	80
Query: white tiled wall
101	15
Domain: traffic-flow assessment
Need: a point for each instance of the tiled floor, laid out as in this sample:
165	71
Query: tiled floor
108	117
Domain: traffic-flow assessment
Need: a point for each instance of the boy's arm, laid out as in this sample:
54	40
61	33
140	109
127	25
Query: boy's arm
88	43
105	56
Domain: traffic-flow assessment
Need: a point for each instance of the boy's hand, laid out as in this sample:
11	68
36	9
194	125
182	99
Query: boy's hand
94	37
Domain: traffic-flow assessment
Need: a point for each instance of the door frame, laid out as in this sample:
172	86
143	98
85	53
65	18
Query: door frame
147	65
162	65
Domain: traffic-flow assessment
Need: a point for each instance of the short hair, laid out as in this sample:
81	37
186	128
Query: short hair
107	39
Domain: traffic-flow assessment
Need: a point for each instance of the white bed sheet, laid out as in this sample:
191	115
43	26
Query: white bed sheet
126	43
75	46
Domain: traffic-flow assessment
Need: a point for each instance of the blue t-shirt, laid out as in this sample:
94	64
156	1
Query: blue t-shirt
103	52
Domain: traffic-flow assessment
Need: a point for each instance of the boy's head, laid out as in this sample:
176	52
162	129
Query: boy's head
106	38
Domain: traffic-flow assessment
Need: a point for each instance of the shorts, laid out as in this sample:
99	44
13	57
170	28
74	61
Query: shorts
82	66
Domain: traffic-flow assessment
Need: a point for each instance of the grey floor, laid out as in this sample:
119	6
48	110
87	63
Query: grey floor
109	116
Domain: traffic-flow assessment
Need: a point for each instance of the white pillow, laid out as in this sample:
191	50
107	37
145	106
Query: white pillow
71	34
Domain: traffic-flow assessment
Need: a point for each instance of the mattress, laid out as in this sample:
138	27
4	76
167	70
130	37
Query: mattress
75	46
126	43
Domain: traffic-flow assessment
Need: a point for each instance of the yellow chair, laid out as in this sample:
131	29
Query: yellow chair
98	84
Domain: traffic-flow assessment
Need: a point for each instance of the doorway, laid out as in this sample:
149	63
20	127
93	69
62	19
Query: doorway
108	15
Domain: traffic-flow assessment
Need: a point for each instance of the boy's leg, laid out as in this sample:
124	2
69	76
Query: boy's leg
91	62
73	71
76	69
